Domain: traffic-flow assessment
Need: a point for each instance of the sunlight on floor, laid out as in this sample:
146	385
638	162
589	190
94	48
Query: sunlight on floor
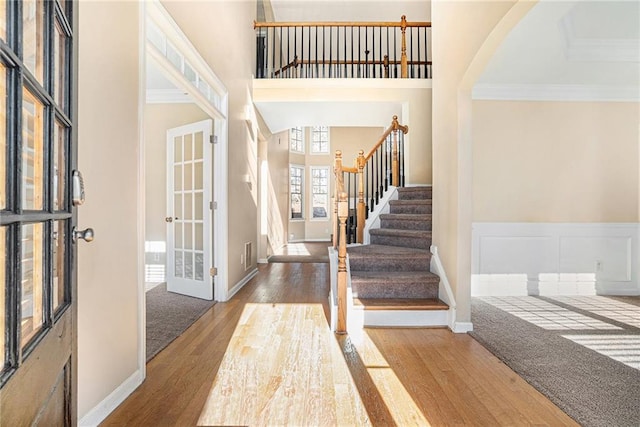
399	402
605	307
546	315
283	366
295	249
623	348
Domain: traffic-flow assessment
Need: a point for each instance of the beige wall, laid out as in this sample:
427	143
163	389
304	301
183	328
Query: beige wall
108	135
555	161
229	49
278	190
158	118
463	28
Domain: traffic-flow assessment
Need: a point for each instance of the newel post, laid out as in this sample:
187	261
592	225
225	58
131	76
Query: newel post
360	211
404	68
343	212
338	188
395	167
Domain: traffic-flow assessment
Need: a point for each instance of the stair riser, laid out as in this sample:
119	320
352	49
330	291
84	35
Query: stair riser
407	242
410	209
422	194
372	289
405	224
389	264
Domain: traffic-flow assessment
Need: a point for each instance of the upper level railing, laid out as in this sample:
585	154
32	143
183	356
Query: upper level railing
358	190
343	49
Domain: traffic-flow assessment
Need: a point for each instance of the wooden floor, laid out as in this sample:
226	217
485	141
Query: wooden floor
403	376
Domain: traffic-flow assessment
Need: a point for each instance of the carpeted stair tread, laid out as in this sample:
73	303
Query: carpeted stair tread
388	258
420	239
425	234
385	250
406	221
394	276
409	193
410	206
399	304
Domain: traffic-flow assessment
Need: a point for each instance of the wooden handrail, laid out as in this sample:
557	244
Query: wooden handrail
394	126
339	24
341	210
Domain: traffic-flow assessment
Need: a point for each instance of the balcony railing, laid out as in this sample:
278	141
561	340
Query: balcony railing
343	49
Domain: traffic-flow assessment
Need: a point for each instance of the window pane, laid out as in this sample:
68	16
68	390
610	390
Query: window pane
59	263
297	143
3	134
320	190
3	19
3	262
32	152
32	283
59	56
33	41
295	190
59	166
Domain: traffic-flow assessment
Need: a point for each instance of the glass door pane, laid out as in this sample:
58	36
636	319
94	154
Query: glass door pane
3	133
33	37
3	266
32	152
32	280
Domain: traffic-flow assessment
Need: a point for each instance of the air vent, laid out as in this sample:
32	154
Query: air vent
248	249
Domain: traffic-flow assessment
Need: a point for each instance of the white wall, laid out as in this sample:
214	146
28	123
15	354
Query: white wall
108	156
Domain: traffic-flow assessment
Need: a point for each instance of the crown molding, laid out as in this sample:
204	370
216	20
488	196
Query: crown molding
597	49
555	92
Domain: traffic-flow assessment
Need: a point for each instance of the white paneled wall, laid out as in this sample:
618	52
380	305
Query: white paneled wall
555	259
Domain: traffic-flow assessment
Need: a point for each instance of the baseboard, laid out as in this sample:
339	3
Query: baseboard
241	283
326	239
102	410
462	327
263	261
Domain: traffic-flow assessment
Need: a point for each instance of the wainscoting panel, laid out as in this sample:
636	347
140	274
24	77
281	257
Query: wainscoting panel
555	259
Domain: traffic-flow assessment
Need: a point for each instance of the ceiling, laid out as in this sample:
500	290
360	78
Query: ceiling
561	50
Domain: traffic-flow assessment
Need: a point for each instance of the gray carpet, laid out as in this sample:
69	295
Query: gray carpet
592	388
169	315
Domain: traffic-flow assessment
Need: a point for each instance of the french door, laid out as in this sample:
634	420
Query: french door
37	159
189	231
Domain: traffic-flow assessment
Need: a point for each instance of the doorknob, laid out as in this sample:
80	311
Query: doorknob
86	235
170	219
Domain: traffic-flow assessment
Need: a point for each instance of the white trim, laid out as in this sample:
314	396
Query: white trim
241	283
445	292
263	260
590	49
102	410
462	327
381	208
326	239
141	208
221	214
400	318
168	96
555	258
555	92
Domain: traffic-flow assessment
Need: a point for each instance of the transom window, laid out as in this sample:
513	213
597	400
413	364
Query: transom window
296	188
320	192
296	136
320	140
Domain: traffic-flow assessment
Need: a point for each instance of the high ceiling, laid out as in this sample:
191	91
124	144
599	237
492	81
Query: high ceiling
352	10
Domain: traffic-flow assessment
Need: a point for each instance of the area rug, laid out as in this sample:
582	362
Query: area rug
593	389
169	315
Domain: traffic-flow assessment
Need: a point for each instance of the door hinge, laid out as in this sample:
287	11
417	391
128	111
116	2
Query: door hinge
213	139
213	271
213	205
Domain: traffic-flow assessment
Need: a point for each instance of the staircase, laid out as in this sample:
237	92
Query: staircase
391	282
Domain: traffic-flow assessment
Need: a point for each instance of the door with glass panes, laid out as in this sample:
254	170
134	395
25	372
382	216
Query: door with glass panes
37	198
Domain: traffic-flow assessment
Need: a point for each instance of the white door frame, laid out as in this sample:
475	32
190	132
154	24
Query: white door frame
155	12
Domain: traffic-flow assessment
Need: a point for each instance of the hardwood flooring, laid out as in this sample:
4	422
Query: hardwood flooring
403	376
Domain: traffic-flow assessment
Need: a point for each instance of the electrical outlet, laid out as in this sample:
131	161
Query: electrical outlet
598	265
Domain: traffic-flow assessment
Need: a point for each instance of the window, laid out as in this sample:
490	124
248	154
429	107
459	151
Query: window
320	192
296	136
320	140
296	187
